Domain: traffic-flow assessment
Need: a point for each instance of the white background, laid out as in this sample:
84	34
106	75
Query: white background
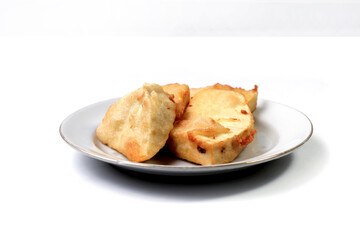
59	56
180	17
49	191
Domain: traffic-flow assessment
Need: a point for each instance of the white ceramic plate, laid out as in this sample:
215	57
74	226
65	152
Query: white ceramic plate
280	130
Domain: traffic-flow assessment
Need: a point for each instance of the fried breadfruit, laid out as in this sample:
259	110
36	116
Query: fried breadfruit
181	97
250	95
138	124
215	128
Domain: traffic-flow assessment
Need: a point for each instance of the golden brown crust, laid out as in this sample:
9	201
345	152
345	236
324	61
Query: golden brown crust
250	95
212	127
138	124
133	150
214	130
181	94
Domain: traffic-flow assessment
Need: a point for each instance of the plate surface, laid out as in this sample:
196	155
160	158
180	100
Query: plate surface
280	130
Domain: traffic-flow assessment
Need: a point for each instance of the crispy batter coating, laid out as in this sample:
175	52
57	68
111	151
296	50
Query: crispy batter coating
138	124
181	97
214	129
250	95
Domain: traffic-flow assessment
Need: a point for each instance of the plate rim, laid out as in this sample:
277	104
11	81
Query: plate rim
185	168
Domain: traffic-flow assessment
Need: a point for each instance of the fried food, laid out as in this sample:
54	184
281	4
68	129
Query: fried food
215	128
250	95
181	97
138	124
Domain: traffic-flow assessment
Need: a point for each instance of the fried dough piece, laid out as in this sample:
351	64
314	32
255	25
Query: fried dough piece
181	97
138	124
215	128
250	95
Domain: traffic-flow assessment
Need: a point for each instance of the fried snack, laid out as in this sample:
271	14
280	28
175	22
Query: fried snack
215	128
250	95
181	97
138	124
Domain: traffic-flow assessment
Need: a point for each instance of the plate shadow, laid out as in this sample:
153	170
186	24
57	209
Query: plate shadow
184	187
264	179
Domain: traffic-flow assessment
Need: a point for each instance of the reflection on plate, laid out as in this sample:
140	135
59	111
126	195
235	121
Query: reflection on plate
280	130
